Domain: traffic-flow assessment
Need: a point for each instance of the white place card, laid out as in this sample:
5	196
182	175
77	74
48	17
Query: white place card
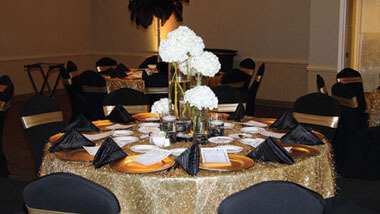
92	150
152	157
254	123
215	155
271	134
99	136
119	126
288	148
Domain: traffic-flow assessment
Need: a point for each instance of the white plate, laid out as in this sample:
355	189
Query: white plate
177	151
143	148
121	141
252	130
220	139
239	135
98	136
229	125
254	142
118	133
152	119
254	123
231	148
147	130
149	125
119	126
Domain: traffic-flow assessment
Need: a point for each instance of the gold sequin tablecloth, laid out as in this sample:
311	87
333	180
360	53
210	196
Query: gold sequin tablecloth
116	83
374	108
177	192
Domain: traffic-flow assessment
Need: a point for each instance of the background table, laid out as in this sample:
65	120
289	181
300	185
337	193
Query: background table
116	83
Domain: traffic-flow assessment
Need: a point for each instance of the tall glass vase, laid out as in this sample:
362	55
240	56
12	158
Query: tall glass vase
200	125
178	84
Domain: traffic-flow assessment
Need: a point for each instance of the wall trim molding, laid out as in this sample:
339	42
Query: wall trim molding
322	68
275	60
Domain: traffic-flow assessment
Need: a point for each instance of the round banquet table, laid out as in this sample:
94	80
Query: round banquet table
175	191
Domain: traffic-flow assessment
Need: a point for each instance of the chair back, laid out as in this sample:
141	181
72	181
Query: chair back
41	117
321	87
94	88
105	63
319	111
273	197
68	193
252	91
133	101
6	94
228	98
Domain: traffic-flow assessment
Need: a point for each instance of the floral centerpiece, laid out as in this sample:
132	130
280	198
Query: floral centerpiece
160	107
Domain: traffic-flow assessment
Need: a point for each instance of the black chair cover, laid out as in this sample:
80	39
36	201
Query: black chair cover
66	192
39	135
321	87
106	61
228	94
356	153
252	91
238	75
5	96
126	96
320	105
273	197
94	107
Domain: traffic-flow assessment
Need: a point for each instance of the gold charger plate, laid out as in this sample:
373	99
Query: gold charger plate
55	137
128	165
301	151
238	162
74	155
102	124
144	116
265	120
225	115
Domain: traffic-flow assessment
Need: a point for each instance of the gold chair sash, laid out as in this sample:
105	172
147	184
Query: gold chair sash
228	107
329	121
348	80
246	70
132	109
351	103
69	81
156	90
234	84
103	68
40	119
3	87
5	105
94	89
258	78
40	211
323	90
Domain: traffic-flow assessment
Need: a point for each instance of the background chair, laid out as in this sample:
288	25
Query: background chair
240	77
6	94
321	87
133	101
65	192
41	117
70	79
252	91
273	197
105	63
319	112
94	88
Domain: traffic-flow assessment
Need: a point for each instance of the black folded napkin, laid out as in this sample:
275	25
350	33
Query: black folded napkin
82	124
109	151
108	71
301	135
144	75
286	121
119	71
189	159
120	115
70	140
121	67
271	150
239	113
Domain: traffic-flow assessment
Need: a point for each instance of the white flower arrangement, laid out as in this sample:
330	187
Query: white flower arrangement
161	106
201	97
180	45
206	63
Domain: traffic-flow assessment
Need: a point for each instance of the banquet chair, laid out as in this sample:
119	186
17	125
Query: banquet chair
240	77
319	112
68	193
273	197
6	94
321	87
94	88
105	63
355	149
353	79
229	98
70	79
150	60
41	117
132	100
252	91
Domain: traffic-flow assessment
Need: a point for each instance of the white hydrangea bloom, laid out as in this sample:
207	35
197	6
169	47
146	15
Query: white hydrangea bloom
206	63
186	66
161	106
172	51
201	97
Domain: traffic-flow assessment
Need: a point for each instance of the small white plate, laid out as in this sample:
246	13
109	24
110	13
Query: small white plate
119	133
143	148
229	125
149	125
121	141
254	142
239	135
177	151
147	130
255	124
231	148
220	139
252	130
152	119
